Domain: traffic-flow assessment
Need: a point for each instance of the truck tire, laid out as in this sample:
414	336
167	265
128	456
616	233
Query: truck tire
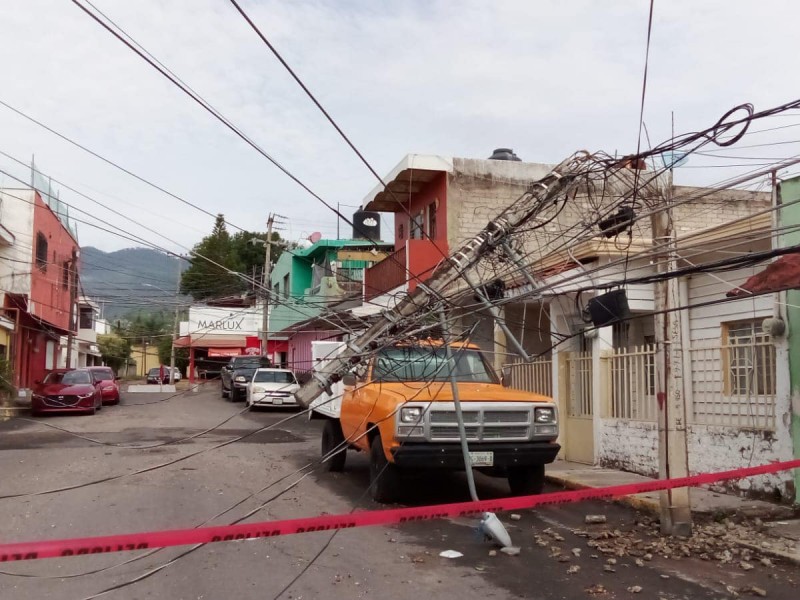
333	439
526	481
384	477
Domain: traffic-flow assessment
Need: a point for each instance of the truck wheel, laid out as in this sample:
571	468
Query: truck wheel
333	439
384	477
526	481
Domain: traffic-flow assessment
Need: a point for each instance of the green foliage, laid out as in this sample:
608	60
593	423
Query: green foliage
6	378
115	350
204	280
144	327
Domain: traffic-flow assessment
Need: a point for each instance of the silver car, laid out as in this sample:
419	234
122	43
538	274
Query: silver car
272	387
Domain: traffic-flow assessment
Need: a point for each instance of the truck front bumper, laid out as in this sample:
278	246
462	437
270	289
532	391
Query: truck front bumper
449	456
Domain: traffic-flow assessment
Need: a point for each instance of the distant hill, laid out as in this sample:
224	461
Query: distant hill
129	280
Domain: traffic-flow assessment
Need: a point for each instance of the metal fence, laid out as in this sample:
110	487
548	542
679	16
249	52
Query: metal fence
580	375
734	384
633	384
535	376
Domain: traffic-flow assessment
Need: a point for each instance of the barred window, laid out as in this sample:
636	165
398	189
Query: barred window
749	359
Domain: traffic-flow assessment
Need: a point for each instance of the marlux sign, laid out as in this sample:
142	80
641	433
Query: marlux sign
237	321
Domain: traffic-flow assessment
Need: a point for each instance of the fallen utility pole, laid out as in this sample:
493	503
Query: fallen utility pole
267	288
561	179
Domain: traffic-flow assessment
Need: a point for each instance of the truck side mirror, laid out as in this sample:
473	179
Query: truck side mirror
349	380
505	376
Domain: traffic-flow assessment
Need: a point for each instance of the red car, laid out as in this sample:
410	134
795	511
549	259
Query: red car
108	383
67	390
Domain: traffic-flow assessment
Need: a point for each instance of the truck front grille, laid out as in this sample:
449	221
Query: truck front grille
485	424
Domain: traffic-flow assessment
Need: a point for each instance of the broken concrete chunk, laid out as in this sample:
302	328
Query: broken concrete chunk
450	554
745	566
635	589
609	569
596	590
639	562
515	517
492	552
573	569
755	591
576	551
594	519
510	550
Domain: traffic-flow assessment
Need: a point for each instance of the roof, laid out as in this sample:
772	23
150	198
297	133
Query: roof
335	244
407	178
783	274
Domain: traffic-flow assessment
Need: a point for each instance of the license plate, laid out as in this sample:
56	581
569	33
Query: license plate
277	401
481	459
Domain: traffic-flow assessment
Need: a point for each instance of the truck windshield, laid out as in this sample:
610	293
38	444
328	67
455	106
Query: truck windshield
430	364
274	377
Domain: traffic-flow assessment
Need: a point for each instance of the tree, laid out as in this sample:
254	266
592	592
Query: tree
239	253
115	350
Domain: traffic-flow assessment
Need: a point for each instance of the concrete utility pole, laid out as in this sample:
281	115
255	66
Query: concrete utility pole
447	275
266	285
175	327
673	461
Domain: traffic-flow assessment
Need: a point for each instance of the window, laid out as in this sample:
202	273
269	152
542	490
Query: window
416	226
86	320
276	290
748	358
286	285
41	251
65	275
432	219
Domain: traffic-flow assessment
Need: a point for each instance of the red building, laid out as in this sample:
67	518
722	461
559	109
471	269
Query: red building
38	282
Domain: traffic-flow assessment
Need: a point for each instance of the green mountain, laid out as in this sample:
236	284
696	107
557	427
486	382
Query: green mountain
129	280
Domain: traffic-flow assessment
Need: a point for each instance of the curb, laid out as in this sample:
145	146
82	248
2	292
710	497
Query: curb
636	502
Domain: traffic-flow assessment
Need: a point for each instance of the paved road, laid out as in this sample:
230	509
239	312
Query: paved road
395	562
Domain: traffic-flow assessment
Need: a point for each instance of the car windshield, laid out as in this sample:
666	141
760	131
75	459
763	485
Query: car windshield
255	363
431	364
155	372
104	374
274	377
69	378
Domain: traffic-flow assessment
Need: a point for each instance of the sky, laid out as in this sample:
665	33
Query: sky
431	77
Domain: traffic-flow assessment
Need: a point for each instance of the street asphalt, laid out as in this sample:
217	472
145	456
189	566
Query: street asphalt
560	556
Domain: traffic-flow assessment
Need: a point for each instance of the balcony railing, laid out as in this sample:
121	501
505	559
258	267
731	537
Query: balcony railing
386	275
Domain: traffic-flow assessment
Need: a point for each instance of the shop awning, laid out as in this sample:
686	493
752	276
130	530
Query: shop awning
208	340
218	352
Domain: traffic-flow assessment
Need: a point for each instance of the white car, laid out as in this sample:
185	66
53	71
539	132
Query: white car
272	387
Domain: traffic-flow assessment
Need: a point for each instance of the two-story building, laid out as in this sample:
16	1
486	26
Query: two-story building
308	283
38	281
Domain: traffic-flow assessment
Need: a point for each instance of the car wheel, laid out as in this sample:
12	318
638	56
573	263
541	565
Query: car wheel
526	481
384	477
333	440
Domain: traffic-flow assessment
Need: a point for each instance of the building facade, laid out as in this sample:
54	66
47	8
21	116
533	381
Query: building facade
38	282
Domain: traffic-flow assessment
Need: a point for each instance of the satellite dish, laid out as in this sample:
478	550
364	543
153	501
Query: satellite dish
674	159
315	237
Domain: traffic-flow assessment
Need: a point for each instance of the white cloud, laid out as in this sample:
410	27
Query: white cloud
456	79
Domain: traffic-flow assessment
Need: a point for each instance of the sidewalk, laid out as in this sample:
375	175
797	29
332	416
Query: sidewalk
778	532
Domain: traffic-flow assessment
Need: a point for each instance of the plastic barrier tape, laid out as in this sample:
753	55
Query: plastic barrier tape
247	531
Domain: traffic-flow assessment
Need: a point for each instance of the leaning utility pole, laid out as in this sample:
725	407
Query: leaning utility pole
266	286
452	271
175	327
676	514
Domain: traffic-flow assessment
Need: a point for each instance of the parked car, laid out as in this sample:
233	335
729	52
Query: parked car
239	362
272	387
67	390
109	387
153	375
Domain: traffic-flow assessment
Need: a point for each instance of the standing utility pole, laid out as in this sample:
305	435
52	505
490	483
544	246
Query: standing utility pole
175	327
72	275
267	290
676	515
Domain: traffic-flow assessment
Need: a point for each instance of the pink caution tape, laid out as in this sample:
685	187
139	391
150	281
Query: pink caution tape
180	537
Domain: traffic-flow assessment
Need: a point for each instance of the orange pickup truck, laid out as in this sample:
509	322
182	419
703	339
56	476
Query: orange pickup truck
401	412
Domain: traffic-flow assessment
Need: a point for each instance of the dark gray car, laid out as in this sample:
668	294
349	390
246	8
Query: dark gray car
231	371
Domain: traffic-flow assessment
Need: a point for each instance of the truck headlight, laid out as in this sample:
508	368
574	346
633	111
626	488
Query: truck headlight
410	414
544	415
240	379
